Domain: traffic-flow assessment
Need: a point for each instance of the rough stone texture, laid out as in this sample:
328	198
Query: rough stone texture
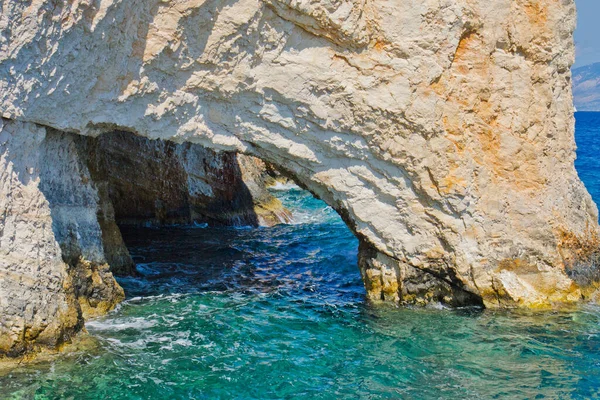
115	251
389	280
441	130
75	207
153	182
257	177
38	305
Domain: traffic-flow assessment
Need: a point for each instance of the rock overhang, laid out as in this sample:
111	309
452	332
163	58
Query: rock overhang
441	131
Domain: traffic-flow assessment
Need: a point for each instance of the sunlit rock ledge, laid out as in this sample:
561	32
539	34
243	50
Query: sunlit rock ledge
441	131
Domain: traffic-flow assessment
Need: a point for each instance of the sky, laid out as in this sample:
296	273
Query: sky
587	35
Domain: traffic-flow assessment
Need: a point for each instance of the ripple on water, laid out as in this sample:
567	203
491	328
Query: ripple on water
280	313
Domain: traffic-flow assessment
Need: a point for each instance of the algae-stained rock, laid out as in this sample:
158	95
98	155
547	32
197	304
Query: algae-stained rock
442	131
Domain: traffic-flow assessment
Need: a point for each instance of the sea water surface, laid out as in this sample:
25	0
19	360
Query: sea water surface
280	313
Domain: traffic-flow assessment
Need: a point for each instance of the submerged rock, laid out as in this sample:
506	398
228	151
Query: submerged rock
441	131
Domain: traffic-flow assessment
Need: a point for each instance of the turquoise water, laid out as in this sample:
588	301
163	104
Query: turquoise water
280	313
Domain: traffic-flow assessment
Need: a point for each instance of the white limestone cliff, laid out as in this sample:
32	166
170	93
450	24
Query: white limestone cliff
441	130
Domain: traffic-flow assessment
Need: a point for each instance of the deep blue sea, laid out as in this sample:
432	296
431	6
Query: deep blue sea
279	313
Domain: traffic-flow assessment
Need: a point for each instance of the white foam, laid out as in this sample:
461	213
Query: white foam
312	217
121	324
172	297
284	186
138	344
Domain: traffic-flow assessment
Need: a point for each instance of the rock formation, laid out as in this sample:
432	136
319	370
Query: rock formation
441	131
61	198
46	287
167	183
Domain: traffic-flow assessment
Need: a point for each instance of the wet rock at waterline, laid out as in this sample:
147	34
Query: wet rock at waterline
38	302
62	196
442	132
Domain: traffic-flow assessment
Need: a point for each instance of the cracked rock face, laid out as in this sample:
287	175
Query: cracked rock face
441	131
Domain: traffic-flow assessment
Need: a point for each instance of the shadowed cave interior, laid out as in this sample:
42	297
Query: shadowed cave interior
165	186
96	190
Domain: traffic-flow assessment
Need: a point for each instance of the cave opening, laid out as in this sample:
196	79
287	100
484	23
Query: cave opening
166	217
179	219
102	221
89	193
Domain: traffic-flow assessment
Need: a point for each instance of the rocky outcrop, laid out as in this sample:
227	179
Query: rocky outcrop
257	177
62	196
441	131
75	205
52	266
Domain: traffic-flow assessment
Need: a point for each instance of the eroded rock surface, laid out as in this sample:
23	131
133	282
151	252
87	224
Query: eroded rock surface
38	301
60	242
441	130
77	211
153	182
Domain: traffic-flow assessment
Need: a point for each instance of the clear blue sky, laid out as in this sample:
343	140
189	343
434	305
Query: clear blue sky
587	35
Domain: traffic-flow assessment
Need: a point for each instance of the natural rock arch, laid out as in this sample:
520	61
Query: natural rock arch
441	131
